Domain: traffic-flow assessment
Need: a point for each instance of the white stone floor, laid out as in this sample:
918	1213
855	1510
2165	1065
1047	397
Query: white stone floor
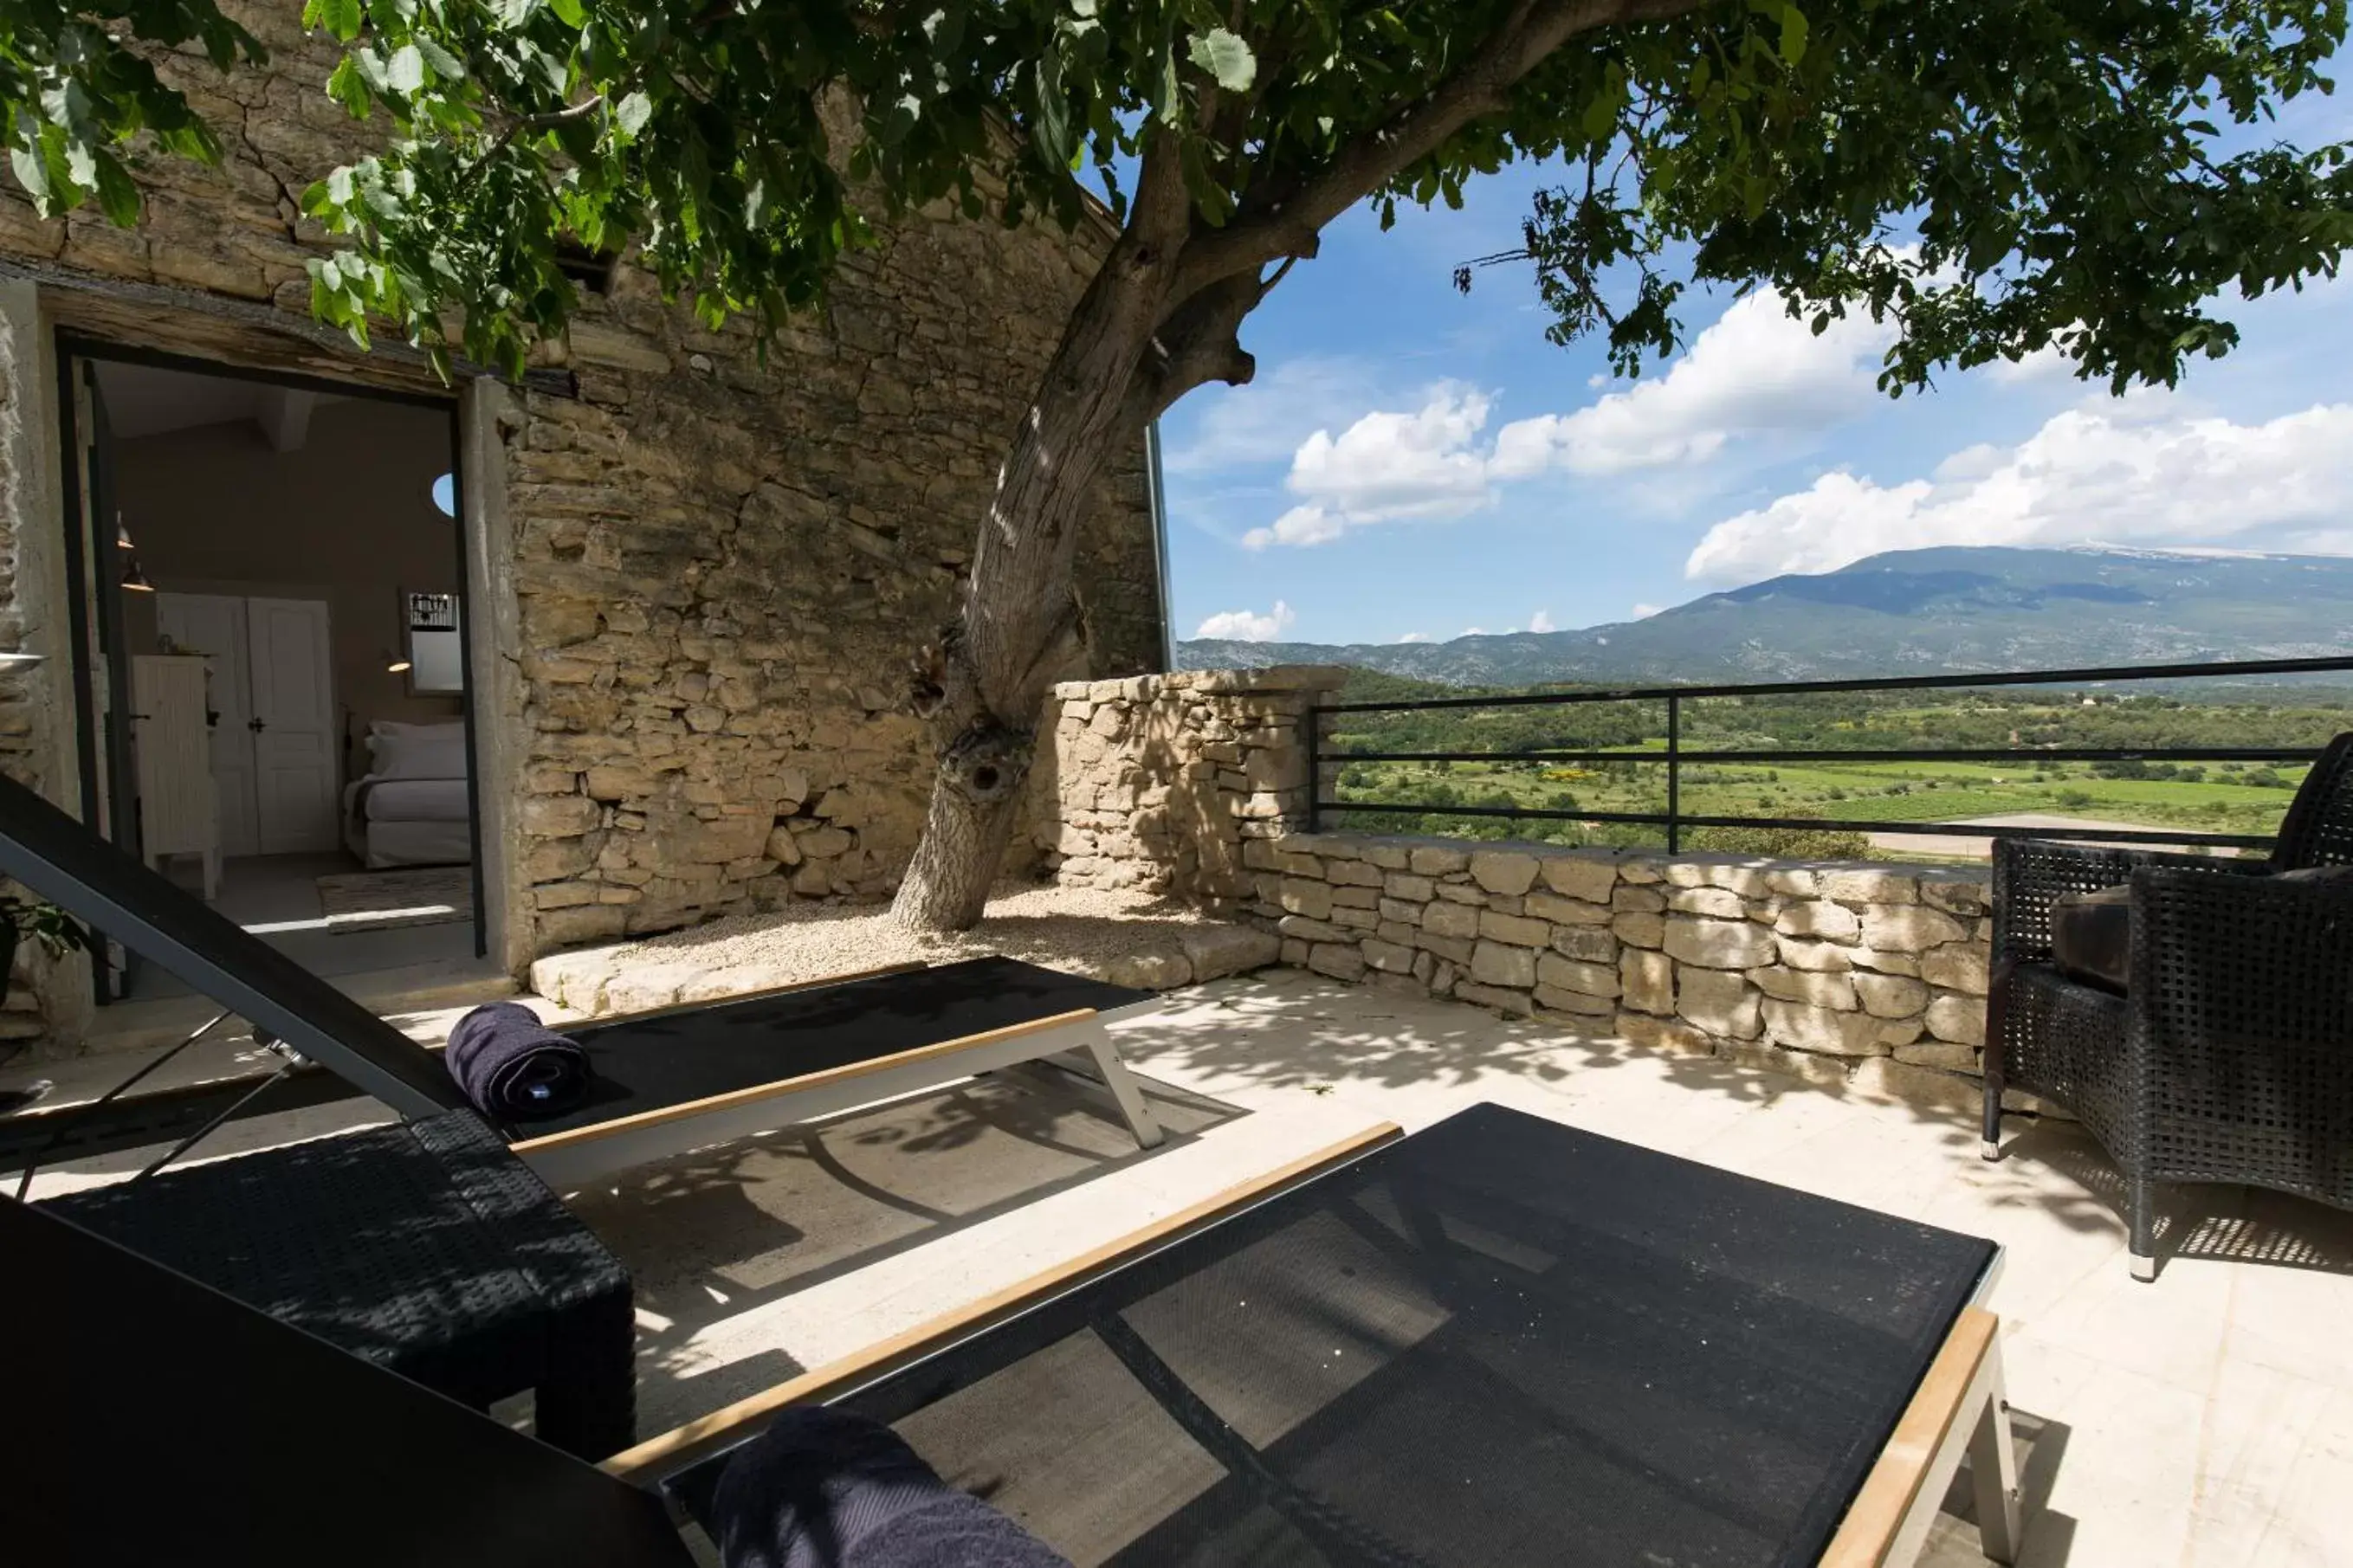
2204	1420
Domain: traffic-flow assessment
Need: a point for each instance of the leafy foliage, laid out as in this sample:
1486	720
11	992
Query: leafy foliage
75	95
1994	177
56	931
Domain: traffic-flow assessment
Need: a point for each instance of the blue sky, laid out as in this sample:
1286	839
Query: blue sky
1413	463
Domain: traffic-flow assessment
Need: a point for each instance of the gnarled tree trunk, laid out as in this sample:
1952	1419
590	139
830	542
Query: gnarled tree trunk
985	684
1160	317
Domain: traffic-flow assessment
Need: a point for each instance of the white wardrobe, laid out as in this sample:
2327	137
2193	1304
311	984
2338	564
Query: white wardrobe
271	700
179	812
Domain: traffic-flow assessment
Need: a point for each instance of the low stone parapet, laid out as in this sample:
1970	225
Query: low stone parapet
1856	971
1156	781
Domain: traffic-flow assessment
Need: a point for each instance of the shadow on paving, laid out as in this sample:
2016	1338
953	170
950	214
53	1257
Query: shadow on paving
721	1232
1284	1029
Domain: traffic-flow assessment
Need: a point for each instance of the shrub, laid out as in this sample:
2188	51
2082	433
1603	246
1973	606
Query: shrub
1779	843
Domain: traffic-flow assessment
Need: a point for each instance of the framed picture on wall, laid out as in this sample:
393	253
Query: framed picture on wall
435	643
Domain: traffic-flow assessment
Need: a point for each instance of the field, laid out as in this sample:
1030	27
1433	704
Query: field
2245	797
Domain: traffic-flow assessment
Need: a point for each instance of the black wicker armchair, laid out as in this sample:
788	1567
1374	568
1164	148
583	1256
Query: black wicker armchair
2229	1055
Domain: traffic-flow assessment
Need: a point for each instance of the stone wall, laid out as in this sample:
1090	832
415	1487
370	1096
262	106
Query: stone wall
1194	784
720	568
1164	782
1824	969
43	1000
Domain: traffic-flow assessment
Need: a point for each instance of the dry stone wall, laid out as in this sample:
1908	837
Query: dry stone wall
1161	783
1196	784
1825	969
721	568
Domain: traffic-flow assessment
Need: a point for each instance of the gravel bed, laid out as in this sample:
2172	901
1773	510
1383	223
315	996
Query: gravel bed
1128	937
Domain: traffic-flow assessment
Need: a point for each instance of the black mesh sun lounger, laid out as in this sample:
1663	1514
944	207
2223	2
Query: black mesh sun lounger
1500	1340
154	1420
668	1080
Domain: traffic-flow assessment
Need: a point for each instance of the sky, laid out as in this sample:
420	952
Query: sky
1414	464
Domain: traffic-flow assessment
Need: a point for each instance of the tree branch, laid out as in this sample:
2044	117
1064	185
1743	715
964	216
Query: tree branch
1200	342
1531	33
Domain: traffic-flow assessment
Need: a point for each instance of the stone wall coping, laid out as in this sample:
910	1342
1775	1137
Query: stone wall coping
1351	846
1209	682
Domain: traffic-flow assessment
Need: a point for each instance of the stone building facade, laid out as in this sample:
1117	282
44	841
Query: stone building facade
696	580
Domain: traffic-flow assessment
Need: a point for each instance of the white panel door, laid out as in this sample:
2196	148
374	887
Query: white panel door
213	625
293	724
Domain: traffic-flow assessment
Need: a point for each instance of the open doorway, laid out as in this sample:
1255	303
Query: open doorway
274	705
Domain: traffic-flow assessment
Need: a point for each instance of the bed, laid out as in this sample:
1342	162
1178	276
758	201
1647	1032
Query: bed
413	806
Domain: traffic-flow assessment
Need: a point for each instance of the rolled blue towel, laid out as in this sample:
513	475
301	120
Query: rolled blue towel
822	1488
514	1068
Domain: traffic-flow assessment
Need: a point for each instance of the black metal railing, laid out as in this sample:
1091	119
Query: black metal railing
1675	757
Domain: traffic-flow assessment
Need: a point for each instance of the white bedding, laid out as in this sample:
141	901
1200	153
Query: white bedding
414	800
407	821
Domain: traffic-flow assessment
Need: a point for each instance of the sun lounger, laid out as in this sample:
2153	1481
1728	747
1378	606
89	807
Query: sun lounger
670	1080
156	1420
424	1247
1500	1340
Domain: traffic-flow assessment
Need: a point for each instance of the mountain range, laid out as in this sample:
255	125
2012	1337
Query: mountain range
1906	612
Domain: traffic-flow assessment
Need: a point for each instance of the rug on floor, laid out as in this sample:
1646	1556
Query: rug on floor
411	896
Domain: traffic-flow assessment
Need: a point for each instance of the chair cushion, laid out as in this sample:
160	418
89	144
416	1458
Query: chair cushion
2091	937
2091	934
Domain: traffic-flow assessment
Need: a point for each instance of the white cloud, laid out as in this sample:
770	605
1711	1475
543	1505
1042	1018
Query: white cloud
1415	637
1387	468
2143	469
1644	612
1473	632
1265	421
1542	622
1300	525
1244	626
1756	369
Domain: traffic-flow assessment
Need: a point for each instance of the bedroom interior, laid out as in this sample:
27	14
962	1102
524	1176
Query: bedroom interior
275	578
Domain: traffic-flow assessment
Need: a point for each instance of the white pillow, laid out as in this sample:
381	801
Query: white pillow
419	756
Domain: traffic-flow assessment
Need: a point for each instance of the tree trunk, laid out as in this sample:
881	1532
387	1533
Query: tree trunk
990	674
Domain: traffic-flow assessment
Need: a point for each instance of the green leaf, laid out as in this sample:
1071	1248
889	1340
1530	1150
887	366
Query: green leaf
1226	58
404	72
341	17
1052	130
1793	33
33	175
347	86
632	113
571	13
446	66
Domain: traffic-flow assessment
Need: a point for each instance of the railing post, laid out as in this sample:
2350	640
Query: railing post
1675	774
1314	716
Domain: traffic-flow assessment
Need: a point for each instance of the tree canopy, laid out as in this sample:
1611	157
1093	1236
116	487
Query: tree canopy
1994	177
1993	173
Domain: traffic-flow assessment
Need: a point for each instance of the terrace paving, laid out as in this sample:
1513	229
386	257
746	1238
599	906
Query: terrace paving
2206	1419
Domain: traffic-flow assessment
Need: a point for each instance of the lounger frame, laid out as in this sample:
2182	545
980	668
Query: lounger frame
580	1155
583	1154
